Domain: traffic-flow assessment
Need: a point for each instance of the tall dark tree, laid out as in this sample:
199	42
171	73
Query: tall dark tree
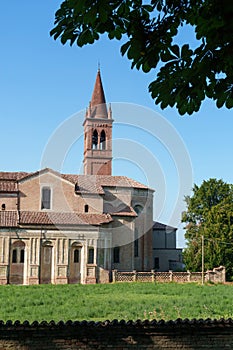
185	76
210	214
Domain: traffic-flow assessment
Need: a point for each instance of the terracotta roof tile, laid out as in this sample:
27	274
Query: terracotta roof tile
95	183
8	219
14	176
84	183
119	181
8	186
58	218
70	177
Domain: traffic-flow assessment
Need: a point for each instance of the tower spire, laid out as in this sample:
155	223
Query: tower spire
98	102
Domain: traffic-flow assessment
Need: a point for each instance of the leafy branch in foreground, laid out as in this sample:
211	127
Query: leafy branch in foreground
185	76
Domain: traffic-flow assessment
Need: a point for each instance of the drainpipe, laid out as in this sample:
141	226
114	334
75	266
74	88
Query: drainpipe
143	253
18	203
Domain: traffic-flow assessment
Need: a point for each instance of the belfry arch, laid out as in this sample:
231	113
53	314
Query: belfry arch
102	140
95	139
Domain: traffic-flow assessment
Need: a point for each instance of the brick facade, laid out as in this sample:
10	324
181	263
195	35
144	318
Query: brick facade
86	212
147	335
66	228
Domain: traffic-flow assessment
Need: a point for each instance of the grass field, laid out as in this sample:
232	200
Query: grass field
129	301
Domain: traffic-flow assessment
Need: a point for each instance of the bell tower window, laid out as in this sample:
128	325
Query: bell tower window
94	139
102	140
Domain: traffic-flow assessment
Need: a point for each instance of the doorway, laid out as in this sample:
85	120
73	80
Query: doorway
75	263
46	263
17	258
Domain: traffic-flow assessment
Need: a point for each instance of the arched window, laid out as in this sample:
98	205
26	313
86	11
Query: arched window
46	198
3	206
76	255
90	256
116	255
21	256
94	139
18	252
102	140
14	255
86	208
138	209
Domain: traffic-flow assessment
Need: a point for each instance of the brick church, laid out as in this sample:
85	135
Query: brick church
68	228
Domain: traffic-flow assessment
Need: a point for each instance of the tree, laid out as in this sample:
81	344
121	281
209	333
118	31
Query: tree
210	214
185	76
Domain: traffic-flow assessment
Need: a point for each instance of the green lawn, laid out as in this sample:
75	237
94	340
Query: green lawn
129	301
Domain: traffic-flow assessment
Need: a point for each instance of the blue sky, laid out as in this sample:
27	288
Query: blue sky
42	83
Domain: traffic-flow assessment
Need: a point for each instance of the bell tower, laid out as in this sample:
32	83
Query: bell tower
98	133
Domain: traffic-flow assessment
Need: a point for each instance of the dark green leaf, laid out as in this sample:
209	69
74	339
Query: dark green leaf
125	47
186	77
221	100
229	102
166	56
175	49
146	67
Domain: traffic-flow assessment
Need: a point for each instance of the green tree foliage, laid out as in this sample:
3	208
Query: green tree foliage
185	76
210	214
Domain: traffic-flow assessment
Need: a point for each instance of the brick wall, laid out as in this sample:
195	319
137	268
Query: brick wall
63	197
146	335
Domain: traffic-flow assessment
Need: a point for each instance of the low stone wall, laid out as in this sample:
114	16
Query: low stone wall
146	335
217	275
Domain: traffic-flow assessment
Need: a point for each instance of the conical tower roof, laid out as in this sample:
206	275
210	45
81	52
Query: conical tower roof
98	103
98	92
